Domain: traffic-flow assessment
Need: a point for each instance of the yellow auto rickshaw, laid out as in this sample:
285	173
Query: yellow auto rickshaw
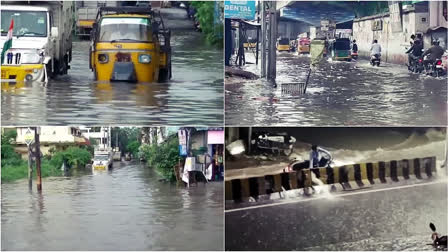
130	44
303	45
251	43
283	44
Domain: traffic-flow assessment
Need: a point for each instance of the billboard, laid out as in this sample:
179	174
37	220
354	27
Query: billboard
239	9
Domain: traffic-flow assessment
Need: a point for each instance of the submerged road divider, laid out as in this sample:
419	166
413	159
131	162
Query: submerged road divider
346	177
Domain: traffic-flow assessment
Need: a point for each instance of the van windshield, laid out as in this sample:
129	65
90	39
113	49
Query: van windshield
101	157
26	23
125	29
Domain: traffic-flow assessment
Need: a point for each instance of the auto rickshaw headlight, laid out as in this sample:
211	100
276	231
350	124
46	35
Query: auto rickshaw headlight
103	58
144	58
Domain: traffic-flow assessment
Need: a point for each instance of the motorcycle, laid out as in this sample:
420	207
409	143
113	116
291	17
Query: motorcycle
416	65
435	68
275	142
375	60
354	55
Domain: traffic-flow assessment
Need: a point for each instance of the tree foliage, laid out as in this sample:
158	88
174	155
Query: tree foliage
75	156
162	157
126	136
133	147
206	16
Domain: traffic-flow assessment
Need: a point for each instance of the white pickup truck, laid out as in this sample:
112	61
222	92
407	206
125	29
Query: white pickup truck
41	42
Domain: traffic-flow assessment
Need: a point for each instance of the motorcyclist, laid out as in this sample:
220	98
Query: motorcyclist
317	159
375	49
435	52
415	51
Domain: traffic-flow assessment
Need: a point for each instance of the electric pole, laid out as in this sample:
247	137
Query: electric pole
272	57
38	163
263	38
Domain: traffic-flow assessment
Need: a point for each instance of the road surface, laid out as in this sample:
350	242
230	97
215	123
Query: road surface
194	96
127	208
396	218
339	93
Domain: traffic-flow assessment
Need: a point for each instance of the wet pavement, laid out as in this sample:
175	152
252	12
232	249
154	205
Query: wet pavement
127	208
395	219
194	96
339	93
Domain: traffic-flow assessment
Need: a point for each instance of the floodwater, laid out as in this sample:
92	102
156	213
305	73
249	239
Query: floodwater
194	96
338	93
127	208
367	219
386	220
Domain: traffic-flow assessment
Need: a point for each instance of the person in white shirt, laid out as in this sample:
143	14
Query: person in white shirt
375	48
317	159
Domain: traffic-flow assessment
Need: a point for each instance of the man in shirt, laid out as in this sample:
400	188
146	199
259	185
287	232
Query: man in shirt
375	49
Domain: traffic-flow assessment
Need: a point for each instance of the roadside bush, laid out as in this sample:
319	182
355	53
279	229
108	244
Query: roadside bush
206	16
163	157
75	156
14	167
133	147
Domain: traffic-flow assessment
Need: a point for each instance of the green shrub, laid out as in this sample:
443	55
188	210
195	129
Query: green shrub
133	147
206	15
162	157
75	156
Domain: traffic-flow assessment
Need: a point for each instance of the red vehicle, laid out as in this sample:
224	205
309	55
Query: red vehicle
303	45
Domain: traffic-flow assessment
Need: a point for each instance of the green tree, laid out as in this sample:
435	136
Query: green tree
75	157
8	137
126	135
163	157
133	147
206	15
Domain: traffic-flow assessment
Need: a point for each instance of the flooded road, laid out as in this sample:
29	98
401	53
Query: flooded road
383	220
339	93
385	216
127	208
194	96
347	145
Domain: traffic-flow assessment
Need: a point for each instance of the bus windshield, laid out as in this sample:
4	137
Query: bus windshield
125	29
26	23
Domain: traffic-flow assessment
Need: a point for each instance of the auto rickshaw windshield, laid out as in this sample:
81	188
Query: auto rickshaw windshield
283	41
125	29
342	45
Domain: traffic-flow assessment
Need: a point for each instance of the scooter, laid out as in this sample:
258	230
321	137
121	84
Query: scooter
275	142
375	60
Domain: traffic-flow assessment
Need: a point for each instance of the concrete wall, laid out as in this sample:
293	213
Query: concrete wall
393	43
50	134
291	29
436	17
